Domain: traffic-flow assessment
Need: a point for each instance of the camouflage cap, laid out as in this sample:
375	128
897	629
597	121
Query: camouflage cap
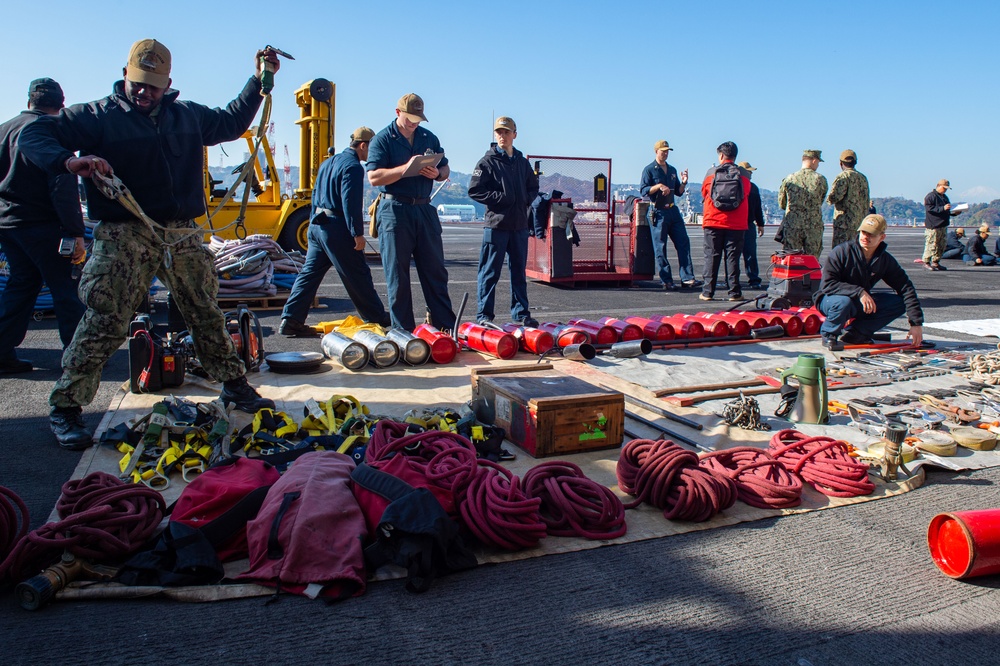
849	156
661	145
362	134
873	224
413	106
812	155
746	165
945	183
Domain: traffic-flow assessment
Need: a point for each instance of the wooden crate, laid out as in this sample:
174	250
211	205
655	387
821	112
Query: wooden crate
548	414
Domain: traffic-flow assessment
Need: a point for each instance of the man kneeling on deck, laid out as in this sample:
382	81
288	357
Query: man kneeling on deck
849	273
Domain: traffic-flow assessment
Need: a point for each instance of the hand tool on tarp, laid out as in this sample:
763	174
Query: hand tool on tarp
757	335
658	410
668	433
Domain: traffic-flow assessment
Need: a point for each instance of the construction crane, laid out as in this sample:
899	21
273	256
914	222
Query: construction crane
288	173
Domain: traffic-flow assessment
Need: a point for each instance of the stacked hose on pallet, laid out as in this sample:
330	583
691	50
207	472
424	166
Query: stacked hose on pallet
255	265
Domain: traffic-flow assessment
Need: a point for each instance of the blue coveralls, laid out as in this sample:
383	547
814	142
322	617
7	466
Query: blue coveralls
408	226
336	219
667	222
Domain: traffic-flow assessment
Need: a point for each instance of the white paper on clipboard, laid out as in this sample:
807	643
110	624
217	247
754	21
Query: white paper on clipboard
420	162
959	208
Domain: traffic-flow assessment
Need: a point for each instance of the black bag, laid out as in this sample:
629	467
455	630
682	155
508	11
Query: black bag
727	187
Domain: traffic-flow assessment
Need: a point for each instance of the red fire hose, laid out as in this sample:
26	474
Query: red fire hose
572	504
761	481
498	512
822	462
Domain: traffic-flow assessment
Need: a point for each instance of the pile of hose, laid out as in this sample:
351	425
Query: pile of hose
14	521
572	504
822	462
102	520
761	481
669	477
985	368
254	265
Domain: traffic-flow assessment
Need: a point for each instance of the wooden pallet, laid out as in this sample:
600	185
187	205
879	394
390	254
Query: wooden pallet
260	301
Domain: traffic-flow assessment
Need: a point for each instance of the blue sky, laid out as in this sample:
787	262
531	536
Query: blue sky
912	87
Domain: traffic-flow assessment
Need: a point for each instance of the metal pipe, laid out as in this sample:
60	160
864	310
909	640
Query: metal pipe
350	354
416	351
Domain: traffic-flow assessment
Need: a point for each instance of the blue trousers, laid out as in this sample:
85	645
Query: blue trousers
721	243
838	309
331	244
33	258
749	258
988	260
953	254
498	243
413	232
668	223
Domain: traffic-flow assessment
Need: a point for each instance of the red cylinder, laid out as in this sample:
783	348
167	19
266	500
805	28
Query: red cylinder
714	328
443	347
655	331
601	333
531	340
811	319
965	544
752	318
488	340
792	323
689	329
564	335
626	331
737	327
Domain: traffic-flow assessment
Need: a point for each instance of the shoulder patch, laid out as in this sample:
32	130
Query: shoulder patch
477	172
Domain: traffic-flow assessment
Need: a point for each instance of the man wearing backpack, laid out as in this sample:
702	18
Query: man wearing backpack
801	197
662	185
726	192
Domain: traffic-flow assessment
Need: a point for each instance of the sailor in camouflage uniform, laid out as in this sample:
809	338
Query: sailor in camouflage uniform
801	197
849	198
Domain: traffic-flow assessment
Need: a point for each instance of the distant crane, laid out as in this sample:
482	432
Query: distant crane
288	174
270	138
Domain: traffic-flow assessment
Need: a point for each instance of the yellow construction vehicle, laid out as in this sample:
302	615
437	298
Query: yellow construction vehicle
283	217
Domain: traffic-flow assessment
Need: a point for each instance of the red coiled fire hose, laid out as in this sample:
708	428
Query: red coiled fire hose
572	504
14	521
668	477
496	510
822	462
761	481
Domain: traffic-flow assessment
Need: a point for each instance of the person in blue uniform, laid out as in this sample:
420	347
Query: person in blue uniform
504	182
661	184
337	239
408	225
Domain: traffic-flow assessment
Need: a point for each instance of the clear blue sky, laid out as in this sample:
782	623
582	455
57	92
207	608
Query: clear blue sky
912	87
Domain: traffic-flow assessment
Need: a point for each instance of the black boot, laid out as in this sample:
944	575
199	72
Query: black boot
70	430
294	329
244	397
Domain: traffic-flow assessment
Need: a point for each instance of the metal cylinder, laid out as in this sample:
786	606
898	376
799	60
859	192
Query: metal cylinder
581	352
531	340
564	335
631	348
350	354
602	334
384	352
416	351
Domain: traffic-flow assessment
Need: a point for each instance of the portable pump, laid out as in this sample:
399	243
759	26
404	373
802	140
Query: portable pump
154	363
795	278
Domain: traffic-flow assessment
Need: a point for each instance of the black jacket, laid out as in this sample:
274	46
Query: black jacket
28	195
160	162
953	242
506	186
935	216
846	272
976	247
755	211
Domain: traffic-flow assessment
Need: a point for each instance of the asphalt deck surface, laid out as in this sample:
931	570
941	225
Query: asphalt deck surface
854	585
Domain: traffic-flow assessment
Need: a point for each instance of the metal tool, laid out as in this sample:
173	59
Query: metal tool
664	431
658	410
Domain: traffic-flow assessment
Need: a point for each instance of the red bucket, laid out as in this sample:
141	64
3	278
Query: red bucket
966	544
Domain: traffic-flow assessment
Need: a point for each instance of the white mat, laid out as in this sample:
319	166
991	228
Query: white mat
983	327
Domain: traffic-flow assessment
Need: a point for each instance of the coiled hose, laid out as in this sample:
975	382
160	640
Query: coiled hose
496	510
761	481
572	504
14	521
668	477
822	462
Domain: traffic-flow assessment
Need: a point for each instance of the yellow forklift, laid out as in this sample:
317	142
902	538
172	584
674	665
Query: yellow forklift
283	217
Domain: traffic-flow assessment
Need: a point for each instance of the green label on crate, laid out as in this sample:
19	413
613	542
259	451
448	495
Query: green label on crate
592	432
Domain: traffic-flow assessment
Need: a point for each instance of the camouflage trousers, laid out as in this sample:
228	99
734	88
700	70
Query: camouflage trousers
805	237
115	279
845	228
934	244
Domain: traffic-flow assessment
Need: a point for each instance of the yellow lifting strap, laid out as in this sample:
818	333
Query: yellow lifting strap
328	418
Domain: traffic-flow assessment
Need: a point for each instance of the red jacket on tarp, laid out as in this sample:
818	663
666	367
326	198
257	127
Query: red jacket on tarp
724	219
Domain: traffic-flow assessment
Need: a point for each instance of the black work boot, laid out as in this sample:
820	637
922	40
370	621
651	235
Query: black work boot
244	397
832	343
68	427
294	329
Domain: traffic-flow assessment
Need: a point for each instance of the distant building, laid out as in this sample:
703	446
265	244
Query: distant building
456	212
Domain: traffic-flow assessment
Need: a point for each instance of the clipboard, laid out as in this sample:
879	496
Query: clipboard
421	162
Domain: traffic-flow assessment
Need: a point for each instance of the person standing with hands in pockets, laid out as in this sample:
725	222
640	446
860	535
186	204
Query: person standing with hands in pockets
662	184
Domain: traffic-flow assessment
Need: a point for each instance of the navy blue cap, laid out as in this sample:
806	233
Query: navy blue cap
45	85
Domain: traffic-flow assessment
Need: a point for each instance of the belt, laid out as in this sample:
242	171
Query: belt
664	206
326	211
406	200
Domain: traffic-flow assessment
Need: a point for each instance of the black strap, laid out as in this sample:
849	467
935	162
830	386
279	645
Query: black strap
381	483
275	551
226	526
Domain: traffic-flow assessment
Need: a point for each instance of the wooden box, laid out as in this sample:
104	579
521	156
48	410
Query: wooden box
547	414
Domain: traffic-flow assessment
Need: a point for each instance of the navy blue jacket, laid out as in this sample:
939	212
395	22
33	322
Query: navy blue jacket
28	195
391	149
755	210
846	272
653	175
161	161
935	216
953	242
506	186
340	189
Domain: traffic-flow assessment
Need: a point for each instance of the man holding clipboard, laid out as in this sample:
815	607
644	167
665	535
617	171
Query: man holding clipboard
404	160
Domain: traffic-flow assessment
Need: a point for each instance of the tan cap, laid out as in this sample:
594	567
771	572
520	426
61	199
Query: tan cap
413	106
873	224
984	228
849	156
959	231
813	154
362	134
661	145
149	62
746	165
505	122
945	183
